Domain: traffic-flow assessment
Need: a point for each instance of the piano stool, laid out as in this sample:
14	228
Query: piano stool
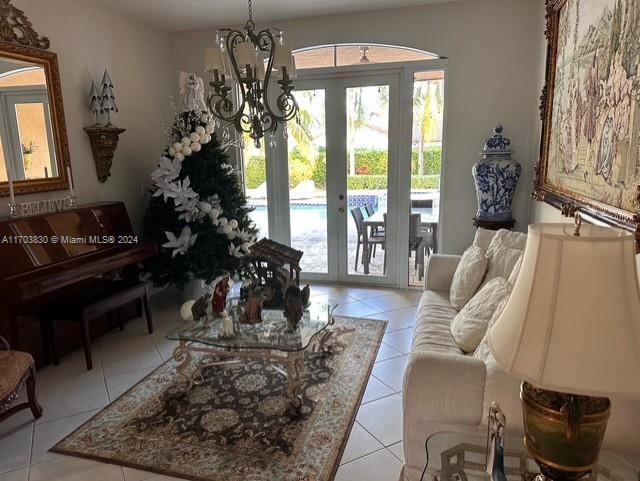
87	305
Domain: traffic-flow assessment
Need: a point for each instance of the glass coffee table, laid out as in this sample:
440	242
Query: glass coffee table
269	340
462	457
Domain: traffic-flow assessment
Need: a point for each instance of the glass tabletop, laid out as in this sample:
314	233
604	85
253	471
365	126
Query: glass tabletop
445	450
272	333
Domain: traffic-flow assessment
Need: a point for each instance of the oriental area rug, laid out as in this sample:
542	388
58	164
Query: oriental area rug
236	424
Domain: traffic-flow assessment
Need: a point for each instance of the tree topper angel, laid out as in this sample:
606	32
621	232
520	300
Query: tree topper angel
192	93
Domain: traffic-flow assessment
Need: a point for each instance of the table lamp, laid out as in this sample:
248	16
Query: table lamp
571	330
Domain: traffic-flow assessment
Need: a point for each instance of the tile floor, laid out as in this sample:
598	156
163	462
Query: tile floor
70	395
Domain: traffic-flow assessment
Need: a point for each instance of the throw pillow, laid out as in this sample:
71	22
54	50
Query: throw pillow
483	238
511	238
470	324
502	260
468	276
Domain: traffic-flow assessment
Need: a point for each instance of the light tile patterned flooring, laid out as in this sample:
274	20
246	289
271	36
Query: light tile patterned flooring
70	395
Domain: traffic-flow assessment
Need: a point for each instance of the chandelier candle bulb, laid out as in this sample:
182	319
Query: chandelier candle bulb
246	54
213	60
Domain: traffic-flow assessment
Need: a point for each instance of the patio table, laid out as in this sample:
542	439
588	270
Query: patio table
427	219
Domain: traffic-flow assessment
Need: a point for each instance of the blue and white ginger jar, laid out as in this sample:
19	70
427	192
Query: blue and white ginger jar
496	177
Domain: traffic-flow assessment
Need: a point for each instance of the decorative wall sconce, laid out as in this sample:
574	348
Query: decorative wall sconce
104	138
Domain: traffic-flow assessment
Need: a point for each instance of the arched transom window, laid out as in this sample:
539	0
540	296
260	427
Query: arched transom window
356	53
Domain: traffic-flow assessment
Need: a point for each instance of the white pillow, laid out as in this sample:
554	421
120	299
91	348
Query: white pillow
470	324
468	276
510	238
483	238
502	260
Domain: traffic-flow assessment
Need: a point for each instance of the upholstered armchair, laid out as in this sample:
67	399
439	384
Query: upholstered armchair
16	369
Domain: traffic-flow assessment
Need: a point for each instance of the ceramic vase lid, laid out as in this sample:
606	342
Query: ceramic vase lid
497	144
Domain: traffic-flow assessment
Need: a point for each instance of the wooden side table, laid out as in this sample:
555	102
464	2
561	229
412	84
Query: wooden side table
494	224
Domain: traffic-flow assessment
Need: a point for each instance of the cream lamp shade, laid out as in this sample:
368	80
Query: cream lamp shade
572	322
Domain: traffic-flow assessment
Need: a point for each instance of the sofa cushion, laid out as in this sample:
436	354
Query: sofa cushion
511	238
483	238
433	321
468	276
502	260
470	324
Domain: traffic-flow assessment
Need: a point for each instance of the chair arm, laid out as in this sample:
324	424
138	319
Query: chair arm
4	344
443	388
439	272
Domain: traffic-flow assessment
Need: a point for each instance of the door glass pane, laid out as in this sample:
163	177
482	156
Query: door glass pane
367	174
255	183
34	132
308	181
426	161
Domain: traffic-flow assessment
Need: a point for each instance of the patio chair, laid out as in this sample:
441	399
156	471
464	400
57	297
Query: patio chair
374	240
16	369
421	241
375	230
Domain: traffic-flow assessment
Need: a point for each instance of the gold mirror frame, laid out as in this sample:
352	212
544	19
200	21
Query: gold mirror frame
19	41
569	203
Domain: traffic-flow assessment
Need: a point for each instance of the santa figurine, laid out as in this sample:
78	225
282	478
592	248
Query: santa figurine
219	298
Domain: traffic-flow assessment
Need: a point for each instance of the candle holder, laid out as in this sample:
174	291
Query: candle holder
13	209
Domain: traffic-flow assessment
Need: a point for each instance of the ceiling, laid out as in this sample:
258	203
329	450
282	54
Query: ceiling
177	15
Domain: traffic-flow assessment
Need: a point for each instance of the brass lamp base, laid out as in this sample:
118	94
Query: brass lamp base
563	432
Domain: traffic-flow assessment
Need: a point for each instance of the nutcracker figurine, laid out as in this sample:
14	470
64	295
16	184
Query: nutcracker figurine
220	291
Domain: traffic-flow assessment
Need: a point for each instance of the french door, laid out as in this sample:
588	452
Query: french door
320	200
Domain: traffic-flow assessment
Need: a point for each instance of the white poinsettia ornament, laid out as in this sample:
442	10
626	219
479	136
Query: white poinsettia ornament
182	243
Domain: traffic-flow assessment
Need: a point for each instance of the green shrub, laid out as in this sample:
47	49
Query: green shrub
255	172
376	182
319	175
432	161
300	168
375	161
425	181
366	182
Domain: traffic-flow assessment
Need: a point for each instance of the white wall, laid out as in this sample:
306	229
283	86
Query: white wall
87	38
493	47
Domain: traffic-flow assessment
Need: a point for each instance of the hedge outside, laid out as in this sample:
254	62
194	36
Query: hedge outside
373	162
377	182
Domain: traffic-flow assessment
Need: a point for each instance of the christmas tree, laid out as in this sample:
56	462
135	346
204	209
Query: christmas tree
198	212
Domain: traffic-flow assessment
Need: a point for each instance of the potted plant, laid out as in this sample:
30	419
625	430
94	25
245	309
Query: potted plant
27	153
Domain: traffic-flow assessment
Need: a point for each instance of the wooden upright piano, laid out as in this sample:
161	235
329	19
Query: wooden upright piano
46	256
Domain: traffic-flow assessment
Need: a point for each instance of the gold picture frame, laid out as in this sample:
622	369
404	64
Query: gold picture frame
19	41
590	110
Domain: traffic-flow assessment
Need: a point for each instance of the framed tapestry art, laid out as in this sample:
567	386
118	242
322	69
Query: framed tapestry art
590	108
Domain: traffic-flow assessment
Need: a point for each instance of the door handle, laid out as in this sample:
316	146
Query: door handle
341	210
341	197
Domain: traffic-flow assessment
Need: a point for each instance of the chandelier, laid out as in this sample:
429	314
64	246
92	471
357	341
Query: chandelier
240	57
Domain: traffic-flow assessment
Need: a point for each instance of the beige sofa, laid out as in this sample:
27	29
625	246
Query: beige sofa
447	390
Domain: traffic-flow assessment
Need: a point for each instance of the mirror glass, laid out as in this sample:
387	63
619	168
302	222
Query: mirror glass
27	148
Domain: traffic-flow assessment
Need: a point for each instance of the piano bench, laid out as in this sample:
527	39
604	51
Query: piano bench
91	303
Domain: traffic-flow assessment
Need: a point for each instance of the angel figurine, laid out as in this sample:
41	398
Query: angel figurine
192	93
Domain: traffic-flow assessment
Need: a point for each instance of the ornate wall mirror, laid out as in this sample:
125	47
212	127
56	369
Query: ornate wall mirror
34	151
